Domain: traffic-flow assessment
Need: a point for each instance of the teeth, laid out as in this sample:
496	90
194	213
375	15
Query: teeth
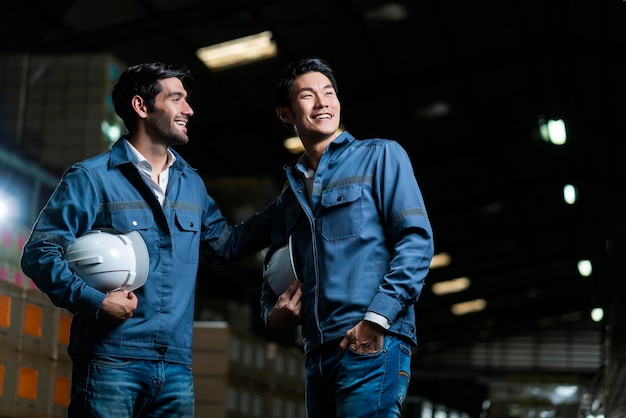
181	123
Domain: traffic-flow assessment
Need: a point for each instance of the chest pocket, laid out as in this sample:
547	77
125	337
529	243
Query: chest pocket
342	212
187	239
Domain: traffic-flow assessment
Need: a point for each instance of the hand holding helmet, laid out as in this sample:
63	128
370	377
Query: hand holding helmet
280	271
117	307
109	260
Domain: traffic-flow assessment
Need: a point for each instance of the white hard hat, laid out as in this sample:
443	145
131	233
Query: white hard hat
109	260
280	270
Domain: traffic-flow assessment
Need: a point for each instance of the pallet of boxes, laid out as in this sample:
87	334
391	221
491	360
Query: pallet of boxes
239	375
35	370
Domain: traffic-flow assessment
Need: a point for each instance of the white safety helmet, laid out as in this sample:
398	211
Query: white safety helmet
280	271
109	260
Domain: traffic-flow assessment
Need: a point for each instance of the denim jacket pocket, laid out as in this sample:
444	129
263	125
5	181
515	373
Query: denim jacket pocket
342	211
187	237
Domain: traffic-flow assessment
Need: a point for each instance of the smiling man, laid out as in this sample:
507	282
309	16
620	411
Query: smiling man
131	350
361	243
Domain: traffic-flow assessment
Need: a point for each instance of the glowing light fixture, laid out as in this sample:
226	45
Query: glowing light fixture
293	145
597	314
569	194
585	268
451	286
238	51
470	306
8	208
440	260
4	209
553	131
112	131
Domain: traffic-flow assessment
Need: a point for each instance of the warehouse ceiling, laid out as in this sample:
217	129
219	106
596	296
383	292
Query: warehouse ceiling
461	85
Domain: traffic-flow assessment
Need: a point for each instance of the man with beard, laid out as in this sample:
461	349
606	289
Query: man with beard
131	350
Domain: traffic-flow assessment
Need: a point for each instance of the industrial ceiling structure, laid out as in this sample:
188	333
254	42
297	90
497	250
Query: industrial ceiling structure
463	86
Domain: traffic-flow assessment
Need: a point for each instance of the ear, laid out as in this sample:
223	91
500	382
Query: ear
139	105
284	114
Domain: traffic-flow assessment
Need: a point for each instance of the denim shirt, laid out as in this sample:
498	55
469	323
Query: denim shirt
107	191
363	243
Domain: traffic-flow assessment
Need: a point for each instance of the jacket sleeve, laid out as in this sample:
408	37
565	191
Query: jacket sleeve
278	238
406	221
239	240
69	212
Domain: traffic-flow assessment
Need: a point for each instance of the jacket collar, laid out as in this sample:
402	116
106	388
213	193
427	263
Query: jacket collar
121	154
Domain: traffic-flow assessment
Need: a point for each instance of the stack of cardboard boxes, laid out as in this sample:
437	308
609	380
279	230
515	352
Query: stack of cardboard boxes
238	375
35	370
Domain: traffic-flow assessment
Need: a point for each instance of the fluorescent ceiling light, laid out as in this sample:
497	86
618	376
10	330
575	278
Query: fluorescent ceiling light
471	306
238	51
440	260
293	145
450	286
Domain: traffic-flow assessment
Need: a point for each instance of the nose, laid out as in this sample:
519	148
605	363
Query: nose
321	101
188	110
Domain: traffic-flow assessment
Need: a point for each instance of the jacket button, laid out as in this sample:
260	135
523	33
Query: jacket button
190	224
339	198
162	351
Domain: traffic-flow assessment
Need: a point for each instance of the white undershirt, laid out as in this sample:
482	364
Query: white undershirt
145	168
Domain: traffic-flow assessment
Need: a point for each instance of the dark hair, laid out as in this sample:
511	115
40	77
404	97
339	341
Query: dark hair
143	80
284	86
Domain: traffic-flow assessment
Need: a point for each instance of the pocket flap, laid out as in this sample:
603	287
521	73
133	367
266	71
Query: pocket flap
341	195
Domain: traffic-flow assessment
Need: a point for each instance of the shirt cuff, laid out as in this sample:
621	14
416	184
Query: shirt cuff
377	319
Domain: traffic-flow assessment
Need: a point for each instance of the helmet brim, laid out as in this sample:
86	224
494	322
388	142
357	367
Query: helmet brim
142	260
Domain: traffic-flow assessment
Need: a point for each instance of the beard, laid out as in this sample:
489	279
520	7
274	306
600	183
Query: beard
166	131
176	138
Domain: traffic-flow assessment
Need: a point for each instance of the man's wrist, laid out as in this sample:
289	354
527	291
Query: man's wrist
378	319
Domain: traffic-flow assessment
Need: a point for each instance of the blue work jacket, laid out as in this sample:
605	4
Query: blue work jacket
364	243
107	191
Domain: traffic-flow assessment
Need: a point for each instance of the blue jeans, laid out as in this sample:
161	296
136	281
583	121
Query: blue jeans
110	387
356	385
